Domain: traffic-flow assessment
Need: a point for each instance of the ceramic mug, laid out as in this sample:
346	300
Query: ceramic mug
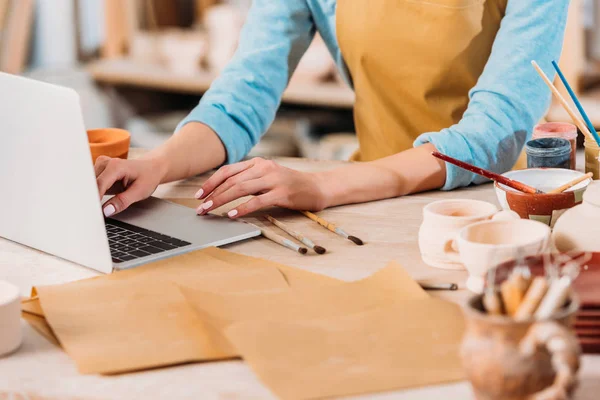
506	359
485	245
443	220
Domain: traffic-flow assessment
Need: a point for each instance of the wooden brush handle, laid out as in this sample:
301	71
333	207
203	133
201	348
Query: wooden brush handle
320	221
532	298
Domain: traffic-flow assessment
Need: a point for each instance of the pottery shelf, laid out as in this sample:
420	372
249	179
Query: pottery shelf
126	72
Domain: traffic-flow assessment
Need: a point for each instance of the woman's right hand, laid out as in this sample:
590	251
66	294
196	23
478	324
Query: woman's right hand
129	180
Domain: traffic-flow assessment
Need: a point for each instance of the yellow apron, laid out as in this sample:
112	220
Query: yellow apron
413	63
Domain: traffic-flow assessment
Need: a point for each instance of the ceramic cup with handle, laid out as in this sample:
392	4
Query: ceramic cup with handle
484	245
443	220
506	359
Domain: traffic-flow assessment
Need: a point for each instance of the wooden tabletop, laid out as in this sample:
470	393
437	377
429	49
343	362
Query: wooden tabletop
390	229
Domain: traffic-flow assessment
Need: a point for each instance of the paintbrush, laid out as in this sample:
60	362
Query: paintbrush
488	174
577	103
572	183
301	238
558	292
491	299
576	120
533	298
272	236
333	228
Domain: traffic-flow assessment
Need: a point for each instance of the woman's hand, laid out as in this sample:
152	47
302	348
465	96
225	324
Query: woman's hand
129	180
272	185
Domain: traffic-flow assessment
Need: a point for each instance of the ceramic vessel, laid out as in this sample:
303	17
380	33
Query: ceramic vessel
486	244
530	360
579	227
109	142
546	208
10	318
442	220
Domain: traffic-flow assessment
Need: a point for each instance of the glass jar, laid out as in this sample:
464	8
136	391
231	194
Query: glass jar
548	153
592	158
562	130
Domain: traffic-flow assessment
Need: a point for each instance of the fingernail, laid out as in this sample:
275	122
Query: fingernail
109	210
232	213
207	205
199	193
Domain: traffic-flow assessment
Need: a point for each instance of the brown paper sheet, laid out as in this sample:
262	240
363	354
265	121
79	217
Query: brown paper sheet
386	286
138	319
41	326
408	344
296	277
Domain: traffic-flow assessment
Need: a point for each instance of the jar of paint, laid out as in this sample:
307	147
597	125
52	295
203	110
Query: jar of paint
548	153
592	158
562	130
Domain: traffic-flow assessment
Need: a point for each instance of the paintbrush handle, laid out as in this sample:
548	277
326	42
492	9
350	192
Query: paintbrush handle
555	297
513	291
577	103
488	174
492	303
333	228
572	183
291	232
532	298
283	241
580	124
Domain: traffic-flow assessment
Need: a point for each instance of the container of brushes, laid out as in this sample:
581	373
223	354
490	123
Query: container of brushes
543	207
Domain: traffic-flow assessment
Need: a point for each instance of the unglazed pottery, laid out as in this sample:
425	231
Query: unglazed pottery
486	244
530	360
442	220
10	318
546	208
579	228
109	142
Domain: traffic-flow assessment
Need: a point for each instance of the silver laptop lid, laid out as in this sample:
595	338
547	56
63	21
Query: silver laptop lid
49	198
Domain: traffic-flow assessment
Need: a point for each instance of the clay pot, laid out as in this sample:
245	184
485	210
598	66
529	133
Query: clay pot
111	142
578	228
530	360
546	208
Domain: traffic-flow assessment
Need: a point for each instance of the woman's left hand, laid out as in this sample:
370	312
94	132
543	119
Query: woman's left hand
269	182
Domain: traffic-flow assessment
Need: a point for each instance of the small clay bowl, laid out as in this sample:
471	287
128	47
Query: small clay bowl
545	208
111	142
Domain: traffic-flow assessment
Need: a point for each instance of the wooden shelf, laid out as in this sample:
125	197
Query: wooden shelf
125	72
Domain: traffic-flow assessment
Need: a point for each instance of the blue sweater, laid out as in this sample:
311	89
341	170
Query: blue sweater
505	104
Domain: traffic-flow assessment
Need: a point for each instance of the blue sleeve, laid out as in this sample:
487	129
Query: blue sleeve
510	97
241	103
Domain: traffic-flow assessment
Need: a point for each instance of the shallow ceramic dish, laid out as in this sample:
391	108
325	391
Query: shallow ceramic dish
111	142
545	208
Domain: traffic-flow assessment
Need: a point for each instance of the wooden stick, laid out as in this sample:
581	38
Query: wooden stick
513	291
576	120
532	299
296	235
572	183
333	228
283	241
488	174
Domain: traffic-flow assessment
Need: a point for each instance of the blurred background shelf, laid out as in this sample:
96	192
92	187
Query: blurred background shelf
126	72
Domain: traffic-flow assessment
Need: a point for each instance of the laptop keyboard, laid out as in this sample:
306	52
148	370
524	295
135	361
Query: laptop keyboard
128	242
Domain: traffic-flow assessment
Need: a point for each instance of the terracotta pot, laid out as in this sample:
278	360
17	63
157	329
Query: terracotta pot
578	228
546	208
530	360
111	142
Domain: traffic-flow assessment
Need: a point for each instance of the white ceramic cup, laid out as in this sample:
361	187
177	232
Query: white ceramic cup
10	318
487	244
443	220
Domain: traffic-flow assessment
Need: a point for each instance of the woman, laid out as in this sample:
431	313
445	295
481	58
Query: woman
446	75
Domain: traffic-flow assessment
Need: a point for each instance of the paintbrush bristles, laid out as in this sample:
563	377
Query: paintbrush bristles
356	240
319	249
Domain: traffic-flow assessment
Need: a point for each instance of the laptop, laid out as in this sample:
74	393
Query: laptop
49	199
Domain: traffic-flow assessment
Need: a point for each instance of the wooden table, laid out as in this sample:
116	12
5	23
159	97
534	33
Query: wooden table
389	227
